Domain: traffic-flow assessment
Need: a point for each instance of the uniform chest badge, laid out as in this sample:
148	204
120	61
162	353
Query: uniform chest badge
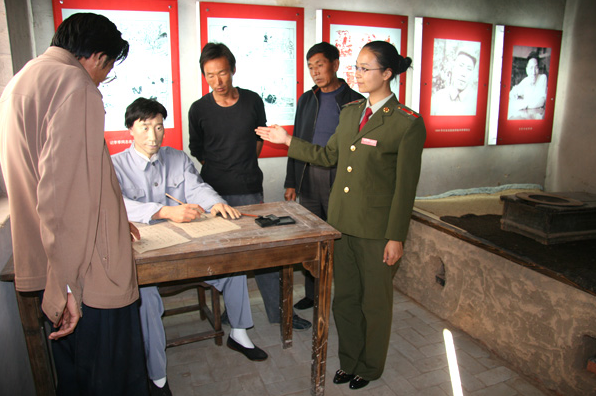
385	110
369	142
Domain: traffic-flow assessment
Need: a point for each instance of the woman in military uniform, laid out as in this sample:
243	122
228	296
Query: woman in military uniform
377	148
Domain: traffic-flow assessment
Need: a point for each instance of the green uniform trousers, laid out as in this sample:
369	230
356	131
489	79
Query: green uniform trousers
362	304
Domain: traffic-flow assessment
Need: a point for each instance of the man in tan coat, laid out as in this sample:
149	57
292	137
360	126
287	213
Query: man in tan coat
71	237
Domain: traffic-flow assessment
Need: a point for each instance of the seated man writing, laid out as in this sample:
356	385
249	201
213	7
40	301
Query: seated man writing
147	172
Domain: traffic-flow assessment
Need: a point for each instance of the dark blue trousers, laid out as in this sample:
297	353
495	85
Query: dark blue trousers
103	356
315	197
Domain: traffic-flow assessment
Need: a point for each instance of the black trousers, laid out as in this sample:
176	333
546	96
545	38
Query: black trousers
103	356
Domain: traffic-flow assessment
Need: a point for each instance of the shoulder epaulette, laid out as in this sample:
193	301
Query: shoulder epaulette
357	101
408	111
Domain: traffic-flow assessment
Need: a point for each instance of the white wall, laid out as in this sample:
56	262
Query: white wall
571	158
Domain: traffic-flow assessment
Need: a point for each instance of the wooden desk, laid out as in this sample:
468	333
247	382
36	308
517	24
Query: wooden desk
309	241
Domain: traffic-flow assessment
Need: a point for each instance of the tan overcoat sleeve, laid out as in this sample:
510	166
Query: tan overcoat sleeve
69	193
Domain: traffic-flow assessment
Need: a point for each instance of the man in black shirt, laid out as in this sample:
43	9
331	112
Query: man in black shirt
222	138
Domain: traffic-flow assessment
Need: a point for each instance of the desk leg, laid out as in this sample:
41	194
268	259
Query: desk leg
37	344
321	317
287	311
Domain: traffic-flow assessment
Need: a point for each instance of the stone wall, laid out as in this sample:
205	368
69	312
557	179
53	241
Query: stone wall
544	328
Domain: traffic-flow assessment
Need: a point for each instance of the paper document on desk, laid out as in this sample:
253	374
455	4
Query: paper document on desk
157	236
206	225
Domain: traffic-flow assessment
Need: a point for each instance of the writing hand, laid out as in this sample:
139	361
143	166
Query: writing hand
180	214
70	319
393	252
274	134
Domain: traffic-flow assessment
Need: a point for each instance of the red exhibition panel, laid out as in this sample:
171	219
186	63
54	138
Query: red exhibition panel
372	21
258	12
454	122
120	139
532	124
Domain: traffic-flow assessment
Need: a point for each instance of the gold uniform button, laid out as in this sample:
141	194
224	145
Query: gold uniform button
349	169
346	189
353	148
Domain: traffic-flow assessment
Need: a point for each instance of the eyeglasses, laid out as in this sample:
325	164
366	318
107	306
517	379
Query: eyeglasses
359	69
109	78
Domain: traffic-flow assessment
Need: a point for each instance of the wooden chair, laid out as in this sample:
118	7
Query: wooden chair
213	314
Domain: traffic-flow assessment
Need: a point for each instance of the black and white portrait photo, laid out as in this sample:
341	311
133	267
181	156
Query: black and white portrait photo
455	77
529	78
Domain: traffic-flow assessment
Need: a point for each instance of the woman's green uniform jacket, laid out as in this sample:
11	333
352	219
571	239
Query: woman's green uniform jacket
377	169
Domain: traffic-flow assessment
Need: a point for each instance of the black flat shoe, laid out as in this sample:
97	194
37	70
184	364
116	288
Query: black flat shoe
358	382
305	303
341	377
255	354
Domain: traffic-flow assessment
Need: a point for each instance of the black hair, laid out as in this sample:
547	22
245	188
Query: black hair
533	55
329	51
214	51
85	34
143	109
388	57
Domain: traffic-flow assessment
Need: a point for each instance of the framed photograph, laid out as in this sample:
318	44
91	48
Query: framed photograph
268	44
350	31
151	70
455	68
528	85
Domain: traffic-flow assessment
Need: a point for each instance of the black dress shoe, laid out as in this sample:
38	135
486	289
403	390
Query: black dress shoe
358	382
255	354
341	377
305	303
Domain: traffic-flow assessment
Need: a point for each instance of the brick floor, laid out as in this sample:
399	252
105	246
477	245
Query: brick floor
416	360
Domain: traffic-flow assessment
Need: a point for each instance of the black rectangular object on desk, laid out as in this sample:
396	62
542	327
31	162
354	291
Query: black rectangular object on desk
272	220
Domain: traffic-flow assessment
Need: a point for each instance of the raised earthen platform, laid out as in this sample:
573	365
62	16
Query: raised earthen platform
540	319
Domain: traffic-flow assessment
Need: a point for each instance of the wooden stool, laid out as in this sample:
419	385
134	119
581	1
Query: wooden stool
213	314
